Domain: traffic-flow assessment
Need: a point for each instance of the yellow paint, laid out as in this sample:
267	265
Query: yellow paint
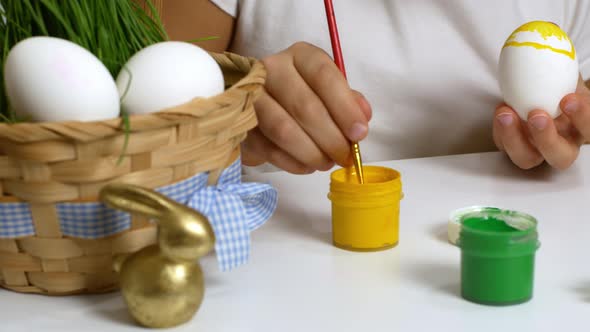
365	217
545	30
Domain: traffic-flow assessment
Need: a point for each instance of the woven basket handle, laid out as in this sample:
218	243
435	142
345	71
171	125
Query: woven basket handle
183	233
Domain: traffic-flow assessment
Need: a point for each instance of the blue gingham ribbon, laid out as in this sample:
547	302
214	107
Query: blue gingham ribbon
234	210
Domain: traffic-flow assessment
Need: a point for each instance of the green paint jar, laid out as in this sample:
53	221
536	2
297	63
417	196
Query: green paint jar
497	256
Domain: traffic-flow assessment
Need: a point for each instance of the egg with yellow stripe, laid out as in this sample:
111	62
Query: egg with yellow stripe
537	68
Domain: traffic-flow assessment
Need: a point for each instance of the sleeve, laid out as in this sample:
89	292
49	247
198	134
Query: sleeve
579	33
228	6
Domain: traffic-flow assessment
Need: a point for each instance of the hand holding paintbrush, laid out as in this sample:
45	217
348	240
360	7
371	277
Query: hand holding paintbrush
308	115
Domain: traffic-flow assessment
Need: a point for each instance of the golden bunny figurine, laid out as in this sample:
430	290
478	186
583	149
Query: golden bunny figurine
162	284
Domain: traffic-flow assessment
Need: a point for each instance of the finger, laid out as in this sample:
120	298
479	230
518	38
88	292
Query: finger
512	137
328	82
566	129
257	149
497	130
497	139
556	150
364	105
307	112
576	107
283	131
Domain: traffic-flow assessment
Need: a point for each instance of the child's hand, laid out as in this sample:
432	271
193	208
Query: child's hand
307	114
540	139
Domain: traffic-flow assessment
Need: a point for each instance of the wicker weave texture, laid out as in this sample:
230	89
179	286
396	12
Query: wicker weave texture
48	163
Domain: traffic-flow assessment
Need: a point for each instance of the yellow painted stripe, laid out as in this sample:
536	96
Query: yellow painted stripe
571	54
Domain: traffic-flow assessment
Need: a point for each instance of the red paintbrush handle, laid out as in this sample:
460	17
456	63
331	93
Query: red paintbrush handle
358	164
336	50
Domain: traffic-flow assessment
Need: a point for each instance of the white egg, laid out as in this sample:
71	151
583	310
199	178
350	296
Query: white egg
538	67
168	74
52	79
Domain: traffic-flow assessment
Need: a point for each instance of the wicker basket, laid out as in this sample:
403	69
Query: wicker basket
43	164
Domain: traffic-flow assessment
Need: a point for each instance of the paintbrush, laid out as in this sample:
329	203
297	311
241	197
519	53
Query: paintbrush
337	52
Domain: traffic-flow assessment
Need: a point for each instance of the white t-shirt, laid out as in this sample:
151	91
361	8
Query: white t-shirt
428	67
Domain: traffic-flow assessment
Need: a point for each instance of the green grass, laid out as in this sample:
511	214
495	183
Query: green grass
113	30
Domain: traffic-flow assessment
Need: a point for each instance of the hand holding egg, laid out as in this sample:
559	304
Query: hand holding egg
546	115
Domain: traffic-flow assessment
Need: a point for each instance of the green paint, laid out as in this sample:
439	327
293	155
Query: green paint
494	281
497	256
488	224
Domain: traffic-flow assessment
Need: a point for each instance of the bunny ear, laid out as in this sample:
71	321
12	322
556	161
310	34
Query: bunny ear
135	199
183	233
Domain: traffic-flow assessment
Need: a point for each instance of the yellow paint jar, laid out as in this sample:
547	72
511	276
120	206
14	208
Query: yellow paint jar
365	217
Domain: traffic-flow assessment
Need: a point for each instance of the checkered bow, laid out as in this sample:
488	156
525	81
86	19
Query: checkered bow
234	210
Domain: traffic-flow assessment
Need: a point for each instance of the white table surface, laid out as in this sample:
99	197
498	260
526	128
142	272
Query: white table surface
297	281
